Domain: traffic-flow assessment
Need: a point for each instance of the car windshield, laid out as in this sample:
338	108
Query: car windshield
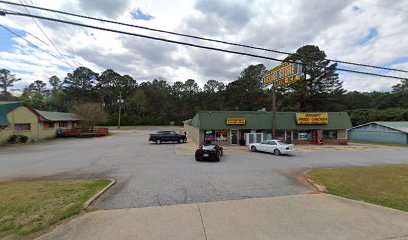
208	147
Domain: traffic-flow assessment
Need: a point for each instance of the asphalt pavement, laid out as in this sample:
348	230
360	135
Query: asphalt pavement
153	175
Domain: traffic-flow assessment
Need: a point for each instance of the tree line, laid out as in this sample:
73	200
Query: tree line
159	102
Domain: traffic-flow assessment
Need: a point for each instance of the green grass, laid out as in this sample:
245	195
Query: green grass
380	143
385	185
30	207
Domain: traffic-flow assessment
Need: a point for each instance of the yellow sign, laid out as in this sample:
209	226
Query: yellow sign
285	73
286	81
312	118
236	121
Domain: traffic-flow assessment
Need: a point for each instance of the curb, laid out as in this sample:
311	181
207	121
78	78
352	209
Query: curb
94	197
318	187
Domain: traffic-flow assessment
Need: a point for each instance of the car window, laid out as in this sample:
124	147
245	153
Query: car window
280	143
172	133
265	142
208	147
272	143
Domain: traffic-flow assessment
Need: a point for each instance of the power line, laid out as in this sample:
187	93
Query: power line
188	44
32	44
46	36
196	37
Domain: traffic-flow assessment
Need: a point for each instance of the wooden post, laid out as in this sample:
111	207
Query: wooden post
273	113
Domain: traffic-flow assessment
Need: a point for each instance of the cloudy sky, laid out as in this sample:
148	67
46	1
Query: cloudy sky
365	31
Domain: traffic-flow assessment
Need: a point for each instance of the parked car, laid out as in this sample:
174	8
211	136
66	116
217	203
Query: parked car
209	152
167	136
276	147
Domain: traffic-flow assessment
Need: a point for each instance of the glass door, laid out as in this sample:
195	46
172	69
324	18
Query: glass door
234	136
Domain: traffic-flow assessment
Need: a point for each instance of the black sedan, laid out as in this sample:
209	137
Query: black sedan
210	152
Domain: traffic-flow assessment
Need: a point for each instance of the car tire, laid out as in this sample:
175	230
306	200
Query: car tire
158	141
276	152
180	141
253	149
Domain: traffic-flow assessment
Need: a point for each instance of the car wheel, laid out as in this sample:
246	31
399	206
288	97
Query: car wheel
276	152
253	149
158	141
180	141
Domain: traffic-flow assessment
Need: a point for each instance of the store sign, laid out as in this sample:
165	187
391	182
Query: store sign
236	121
312	118
284	74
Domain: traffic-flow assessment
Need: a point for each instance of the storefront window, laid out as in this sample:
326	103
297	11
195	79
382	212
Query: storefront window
221	135
330	134
209	135
303	135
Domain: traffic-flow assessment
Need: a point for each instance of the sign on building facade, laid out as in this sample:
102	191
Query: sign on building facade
312	118
236	121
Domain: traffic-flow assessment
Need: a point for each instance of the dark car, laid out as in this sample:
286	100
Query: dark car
167	136
210	152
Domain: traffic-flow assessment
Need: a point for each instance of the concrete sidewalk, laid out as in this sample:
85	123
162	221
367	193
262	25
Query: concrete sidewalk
313	216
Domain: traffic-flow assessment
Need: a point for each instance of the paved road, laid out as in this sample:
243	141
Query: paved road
153	175
307	216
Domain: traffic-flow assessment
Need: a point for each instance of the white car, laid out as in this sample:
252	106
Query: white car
273	146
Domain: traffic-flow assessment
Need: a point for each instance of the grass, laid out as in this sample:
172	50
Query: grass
30	207
385	185
380	143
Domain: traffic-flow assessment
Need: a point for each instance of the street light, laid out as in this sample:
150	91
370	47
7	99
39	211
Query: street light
120	102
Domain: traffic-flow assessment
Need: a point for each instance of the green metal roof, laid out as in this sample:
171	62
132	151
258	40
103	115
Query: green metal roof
213	120
402	126
5	108
58	116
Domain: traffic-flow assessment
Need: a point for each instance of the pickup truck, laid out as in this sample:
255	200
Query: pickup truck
167	136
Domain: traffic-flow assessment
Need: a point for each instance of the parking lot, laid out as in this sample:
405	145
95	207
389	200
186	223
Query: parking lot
151	175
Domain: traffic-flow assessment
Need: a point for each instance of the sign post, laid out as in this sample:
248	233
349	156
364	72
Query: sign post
282	75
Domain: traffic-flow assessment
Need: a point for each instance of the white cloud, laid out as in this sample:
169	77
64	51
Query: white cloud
336	27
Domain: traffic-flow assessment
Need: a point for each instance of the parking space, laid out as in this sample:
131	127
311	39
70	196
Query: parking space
148	174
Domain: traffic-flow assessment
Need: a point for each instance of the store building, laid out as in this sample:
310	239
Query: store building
382	132
245	127
19	118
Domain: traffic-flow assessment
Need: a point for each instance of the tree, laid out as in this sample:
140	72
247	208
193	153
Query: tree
213	86
400	92
246	92
319	87
80	83
7	81
90	113
56	84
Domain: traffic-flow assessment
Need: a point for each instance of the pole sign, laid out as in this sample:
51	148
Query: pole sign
284	74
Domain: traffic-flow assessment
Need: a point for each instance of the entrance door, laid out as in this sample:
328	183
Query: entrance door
234	136
288	137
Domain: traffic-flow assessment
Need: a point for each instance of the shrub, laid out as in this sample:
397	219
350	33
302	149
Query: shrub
22	139
12	139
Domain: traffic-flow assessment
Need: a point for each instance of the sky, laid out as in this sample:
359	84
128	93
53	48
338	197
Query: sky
365	31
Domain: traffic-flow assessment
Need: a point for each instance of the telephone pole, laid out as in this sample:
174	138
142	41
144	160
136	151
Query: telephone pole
273	113
120	101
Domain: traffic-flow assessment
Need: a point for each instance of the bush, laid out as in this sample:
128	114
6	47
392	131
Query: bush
22	139
17	139
12	139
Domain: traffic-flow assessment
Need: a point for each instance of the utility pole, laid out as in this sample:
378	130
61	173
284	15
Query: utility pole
273	113
120	101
